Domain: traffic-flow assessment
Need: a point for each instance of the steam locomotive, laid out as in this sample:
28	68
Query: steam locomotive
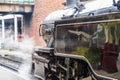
77	37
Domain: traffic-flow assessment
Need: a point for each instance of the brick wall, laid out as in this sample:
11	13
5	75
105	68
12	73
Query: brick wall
41	9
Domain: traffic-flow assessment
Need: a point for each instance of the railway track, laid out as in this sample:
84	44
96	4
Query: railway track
11	61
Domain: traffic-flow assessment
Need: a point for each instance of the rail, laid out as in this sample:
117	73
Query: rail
11	62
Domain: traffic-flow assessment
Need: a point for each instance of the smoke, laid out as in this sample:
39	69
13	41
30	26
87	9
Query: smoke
23	49
25	68
10	44
25	46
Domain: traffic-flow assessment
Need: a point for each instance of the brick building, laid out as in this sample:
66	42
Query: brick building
32	13
42	8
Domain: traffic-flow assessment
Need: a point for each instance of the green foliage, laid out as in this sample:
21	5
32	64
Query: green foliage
81	51
92	55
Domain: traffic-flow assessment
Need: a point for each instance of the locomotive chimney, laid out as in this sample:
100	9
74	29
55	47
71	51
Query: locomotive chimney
72	3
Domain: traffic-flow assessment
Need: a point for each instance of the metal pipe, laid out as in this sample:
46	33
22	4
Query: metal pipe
114	3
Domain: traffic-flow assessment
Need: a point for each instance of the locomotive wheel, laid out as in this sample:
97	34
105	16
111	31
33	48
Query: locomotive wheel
51	76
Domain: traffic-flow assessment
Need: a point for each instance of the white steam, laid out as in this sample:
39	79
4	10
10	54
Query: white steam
26	45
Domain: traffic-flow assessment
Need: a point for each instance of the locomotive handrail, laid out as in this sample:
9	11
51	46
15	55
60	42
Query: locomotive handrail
112	20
